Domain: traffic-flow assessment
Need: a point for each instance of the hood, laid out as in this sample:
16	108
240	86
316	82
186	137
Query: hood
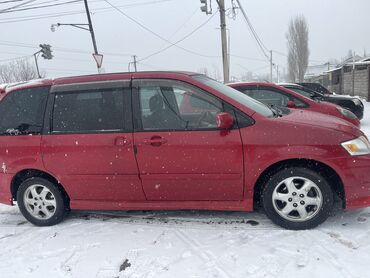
340	97
309	118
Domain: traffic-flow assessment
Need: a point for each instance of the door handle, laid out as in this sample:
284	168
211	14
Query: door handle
122	141
155	141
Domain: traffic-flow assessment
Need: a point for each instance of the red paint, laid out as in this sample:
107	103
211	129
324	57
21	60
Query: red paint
224	120
214	169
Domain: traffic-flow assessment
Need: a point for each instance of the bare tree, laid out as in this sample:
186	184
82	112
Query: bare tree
298	52
19	70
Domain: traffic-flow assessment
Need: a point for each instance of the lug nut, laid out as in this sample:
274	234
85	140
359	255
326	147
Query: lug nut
294	193
302	203
290	199
301	195
295	205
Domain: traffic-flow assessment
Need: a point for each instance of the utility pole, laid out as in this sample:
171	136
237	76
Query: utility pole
224	44
225	60
37	64
271	65
88	27
135	63
91	29
277	74
353	72
98	57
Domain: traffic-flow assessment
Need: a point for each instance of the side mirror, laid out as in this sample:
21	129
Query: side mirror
224	120
291	104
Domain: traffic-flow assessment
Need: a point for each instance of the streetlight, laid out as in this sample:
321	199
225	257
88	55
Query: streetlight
87	27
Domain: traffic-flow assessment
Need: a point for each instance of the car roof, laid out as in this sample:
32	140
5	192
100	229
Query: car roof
290	85
252	83
6	88
122	75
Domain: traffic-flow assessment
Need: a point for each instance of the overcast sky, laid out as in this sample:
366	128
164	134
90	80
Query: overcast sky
336	26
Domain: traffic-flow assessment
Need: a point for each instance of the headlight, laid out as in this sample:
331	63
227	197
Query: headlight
356	101
346	113
359	146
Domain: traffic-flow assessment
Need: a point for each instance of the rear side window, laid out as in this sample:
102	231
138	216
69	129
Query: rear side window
88	111
22	111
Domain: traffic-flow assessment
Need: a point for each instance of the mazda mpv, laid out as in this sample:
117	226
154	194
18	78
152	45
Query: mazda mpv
121	142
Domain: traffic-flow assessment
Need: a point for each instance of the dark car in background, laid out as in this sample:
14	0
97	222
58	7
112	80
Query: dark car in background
317	87
352	104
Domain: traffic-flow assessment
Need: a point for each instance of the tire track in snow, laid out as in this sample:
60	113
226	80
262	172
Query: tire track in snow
340	266
206	256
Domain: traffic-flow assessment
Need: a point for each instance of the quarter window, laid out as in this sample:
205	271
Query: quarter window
22	111
88	111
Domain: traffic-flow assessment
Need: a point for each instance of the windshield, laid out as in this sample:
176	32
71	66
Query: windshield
251	103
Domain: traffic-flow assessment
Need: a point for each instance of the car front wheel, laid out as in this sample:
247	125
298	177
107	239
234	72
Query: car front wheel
297	198
41	202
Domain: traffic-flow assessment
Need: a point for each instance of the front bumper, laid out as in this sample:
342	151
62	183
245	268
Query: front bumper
354	172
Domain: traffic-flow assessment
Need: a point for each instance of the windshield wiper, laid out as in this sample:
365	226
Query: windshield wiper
277	112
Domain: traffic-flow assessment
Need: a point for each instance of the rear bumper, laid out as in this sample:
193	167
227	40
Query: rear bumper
5	194
354	172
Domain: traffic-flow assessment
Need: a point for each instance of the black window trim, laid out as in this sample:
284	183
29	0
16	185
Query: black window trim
125	85
137	121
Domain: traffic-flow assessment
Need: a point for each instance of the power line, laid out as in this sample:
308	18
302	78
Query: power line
16	58
52	15
10	1
248	58
154	33
40	7
180	40
61	49
262	47
16	6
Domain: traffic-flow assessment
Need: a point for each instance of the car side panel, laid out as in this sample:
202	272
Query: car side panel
17	153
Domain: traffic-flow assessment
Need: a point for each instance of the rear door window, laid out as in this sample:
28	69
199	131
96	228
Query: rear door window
22	111
88	111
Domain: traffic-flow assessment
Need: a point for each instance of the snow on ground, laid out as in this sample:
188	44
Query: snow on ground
184	245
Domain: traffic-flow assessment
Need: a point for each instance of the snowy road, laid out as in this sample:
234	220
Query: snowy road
184	244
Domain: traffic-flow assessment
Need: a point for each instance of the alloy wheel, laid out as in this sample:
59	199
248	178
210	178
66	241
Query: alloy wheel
297	199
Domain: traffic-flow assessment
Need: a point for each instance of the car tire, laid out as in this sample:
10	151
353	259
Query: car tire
297	198
41	202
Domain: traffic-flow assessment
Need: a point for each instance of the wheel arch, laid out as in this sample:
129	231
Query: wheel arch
323	169
25	174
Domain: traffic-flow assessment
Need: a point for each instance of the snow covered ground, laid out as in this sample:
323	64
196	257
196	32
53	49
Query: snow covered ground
184	245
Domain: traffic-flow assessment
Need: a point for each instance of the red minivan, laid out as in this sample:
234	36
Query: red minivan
279	97
121	142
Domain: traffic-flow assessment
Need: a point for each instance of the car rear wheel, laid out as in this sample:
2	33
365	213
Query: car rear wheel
41	202
297	198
